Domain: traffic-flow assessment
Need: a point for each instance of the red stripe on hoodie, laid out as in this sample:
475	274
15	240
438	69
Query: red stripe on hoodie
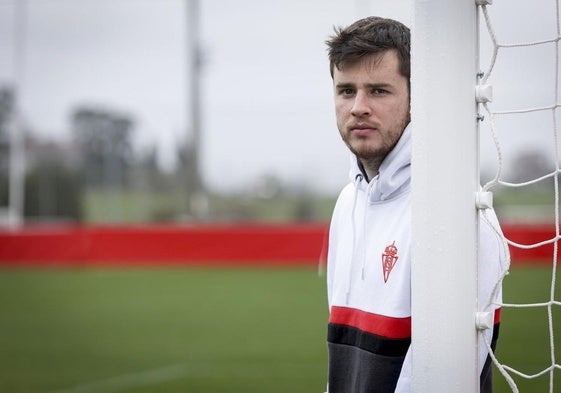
380	325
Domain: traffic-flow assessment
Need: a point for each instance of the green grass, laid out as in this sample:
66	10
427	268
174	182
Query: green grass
238	330
524	342
203	330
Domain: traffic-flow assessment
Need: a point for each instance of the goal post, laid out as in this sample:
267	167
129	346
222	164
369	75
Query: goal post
445	180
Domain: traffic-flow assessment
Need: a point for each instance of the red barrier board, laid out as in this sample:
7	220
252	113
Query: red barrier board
169	244
529	235
221	244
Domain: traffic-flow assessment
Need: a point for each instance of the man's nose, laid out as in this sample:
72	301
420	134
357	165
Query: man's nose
361	105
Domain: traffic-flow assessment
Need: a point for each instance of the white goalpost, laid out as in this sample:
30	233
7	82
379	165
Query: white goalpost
450	97
445	180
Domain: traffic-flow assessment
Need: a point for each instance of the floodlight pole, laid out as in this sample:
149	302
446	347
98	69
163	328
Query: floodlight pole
444	183
17	142
196	194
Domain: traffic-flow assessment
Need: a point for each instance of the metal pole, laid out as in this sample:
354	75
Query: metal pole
444	183
17	141
196	194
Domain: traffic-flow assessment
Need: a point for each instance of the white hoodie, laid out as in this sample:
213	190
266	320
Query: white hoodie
368	274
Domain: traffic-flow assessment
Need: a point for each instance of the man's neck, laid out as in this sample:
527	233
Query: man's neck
369	168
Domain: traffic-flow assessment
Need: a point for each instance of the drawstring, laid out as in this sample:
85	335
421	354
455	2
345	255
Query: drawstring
362	253
363	268
358	179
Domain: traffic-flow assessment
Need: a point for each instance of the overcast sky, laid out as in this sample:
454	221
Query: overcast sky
266	89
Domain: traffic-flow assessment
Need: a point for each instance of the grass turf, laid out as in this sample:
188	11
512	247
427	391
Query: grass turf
228	330
202	330
524	342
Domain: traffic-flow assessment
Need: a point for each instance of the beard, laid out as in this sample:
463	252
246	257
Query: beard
371	150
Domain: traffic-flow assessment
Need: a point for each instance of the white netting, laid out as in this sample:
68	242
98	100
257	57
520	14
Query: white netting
531	110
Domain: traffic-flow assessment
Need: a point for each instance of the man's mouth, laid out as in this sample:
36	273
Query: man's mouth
362	129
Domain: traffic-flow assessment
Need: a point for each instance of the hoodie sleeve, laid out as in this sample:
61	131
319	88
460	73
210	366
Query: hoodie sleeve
493	261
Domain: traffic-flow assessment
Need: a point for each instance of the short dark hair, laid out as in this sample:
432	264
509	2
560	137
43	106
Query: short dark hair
370	36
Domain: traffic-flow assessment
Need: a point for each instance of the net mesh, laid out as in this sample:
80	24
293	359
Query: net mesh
538	110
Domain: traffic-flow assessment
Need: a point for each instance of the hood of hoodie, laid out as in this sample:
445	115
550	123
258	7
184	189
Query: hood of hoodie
394	175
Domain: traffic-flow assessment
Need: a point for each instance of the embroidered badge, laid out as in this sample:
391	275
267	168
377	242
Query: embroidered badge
389	259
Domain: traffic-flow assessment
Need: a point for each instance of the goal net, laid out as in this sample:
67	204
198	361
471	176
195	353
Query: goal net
521	131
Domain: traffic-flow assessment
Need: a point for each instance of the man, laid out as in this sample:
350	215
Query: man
369	254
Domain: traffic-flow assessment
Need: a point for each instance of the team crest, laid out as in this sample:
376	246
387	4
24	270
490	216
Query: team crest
389	259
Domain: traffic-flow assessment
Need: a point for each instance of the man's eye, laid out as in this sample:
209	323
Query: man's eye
347	92
379	91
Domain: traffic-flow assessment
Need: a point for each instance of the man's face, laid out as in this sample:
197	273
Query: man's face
371	106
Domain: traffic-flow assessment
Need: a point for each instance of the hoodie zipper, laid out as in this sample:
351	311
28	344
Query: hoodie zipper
357	180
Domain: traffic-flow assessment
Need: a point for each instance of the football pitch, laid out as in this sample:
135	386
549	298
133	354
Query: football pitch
206	330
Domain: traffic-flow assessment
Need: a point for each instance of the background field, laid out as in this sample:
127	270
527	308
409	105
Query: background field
201	330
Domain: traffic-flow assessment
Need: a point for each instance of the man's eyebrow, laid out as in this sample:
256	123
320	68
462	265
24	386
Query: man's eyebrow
381	85
344	85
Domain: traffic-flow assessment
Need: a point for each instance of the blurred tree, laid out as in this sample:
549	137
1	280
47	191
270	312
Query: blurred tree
148	164
53	191
53	182
104	137
6	109
147	173
529	165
